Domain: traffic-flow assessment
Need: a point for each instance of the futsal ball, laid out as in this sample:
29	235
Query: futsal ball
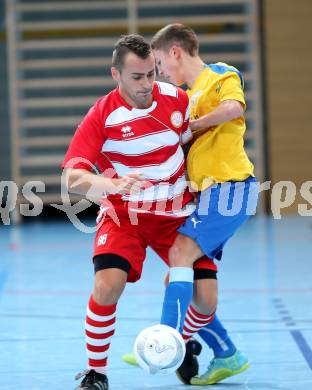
159	348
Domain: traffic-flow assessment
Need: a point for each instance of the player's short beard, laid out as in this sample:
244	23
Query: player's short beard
144	102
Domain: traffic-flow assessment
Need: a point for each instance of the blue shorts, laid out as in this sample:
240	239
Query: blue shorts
221	210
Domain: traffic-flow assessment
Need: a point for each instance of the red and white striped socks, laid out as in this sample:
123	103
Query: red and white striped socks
194	321
99	327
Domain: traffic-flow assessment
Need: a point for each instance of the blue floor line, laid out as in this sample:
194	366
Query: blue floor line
303	346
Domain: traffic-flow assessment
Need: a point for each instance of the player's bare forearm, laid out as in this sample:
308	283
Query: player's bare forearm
225	112
83	182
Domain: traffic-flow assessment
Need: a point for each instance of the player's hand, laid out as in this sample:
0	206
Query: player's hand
196	127
132	183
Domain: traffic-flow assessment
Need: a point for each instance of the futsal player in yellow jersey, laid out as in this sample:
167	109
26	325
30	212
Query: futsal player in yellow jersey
220	172
217	155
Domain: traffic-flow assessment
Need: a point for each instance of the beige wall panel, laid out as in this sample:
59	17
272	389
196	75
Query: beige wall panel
288	45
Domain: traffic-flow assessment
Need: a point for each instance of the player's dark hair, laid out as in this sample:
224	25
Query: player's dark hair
133	43
176	34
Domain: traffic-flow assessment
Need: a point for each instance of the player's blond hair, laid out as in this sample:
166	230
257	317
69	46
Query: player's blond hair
176	34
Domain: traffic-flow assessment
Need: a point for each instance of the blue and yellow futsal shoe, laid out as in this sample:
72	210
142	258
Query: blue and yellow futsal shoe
222	368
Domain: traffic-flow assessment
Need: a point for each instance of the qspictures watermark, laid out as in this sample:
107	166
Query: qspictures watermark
282	195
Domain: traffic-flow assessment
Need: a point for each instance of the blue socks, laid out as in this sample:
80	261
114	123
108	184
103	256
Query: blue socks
178	296
216	337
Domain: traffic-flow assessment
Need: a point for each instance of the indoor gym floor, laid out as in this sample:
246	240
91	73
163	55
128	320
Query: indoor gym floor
46	275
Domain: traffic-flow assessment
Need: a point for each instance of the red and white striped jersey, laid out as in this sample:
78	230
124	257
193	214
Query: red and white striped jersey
120	139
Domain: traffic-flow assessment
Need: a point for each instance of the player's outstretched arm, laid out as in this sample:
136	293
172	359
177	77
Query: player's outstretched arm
83	182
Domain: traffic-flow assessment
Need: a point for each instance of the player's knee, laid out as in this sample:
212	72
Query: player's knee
105	292
174	257
179	257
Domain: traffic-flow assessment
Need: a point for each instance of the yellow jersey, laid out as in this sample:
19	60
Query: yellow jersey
217	155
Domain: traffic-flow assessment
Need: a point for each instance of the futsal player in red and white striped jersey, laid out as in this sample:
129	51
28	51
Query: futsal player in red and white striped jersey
133	136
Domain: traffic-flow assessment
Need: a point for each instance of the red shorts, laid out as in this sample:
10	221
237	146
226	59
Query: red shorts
130	241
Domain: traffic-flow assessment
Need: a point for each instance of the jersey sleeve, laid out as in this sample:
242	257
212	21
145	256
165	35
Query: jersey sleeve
186	132
85	147
232	89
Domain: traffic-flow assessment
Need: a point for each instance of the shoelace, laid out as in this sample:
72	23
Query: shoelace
212	363
89	376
